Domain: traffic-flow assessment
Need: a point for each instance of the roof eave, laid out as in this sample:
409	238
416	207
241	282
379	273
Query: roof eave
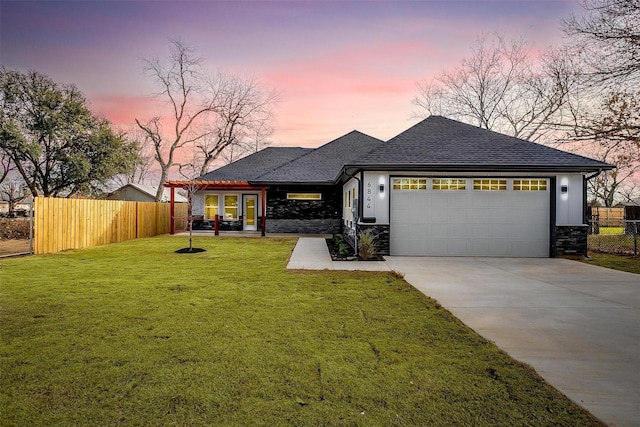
354	168
274	183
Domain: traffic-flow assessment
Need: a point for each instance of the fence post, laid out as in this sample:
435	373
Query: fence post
635	238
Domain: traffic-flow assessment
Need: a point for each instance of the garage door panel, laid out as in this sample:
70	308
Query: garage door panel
418	245
458	216
479	231
458	231
458	247
470	222
438	247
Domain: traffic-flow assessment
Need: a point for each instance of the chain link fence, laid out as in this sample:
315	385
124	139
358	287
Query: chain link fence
618	236
16	236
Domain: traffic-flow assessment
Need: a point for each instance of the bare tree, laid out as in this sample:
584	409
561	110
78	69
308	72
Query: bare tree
610	131
630	192
607	35
611	186
242	122
615	122
14	192
256	141
208	113
182	83
500	87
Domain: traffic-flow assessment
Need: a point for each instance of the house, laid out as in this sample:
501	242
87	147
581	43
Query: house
440	188
21	208
141	193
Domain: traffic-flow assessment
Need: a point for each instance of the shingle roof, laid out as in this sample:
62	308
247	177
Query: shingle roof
323	165
151	191
445	144
254	165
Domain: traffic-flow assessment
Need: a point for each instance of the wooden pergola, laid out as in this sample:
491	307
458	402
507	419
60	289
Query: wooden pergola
200	185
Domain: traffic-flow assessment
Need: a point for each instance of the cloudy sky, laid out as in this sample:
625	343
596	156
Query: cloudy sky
338	65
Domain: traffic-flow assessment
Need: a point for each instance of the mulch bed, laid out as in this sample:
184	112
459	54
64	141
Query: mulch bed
335	253
190	250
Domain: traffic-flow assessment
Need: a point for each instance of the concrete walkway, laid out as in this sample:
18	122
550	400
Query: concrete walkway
578	325
312	254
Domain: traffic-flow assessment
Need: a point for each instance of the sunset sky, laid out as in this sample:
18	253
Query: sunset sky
338	65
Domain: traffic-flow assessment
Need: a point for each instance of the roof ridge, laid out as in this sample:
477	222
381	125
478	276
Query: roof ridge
309	151
313	150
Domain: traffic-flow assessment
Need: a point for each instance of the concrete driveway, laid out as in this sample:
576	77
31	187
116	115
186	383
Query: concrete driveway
578	325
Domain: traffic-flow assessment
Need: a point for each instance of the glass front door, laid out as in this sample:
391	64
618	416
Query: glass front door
250	212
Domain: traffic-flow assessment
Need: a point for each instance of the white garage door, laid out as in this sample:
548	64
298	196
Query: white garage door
470	217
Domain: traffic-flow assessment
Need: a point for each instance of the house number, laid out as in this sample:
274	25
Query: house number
369	195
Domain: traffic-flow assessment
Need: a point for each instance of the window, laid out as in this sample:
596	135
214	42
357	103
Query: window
211	206
530	185
304	196
449	184
409	183
490	184
230	207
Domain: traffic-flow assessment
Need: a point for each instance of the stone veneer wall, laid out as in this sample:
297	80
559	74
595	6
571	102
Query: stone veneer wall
382	237
304	216
571	240
304	226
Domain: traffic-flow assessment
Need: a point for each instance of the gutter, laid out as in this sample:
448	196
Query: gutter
460	168
588	178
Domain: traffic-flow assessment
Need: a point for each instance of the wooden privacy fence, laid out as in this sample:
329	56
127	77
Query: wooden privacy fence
61	224
609	217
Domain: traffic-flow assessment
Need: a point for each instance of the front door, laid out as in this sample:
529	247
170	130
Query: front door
250	212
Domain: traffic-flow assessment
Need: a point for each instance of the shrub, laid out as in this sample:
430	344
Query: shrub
343	247
367	244
11	229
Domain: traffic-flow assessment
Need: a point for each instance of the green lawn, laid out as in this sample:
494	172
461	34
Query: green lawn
617	262
134	334
607	231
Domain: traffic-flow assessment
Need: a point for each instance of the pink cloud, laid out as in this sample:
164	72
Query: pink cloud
123	110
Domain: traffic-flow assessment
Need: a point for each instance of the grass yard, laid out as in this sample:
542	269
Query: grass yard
617	262
608	231
134	334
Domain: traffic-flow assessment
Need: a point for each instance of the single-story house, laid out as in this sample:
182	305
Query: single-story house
440	188
142	193
20	209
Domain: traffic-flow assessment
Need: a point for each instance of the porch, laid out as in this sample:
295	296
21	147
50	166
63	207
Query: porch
247	219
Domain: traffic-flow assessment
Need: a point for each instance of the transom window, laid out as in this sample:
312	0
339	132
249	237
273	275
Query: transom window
409	183
304	196
449	184
230	207
211	206
490	184
530	185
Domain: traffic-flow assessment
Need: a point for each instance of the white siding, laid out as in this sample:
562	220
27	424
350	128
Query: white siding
376	202
569	205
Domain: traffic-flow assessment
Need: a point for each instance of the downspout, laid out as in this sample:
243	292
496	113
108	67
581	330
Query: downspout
584	191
